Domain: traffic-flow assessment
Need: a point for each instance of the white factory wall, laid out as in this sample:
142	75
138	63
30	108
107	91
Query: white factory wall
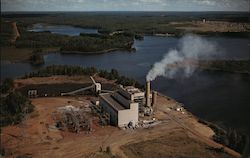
125	116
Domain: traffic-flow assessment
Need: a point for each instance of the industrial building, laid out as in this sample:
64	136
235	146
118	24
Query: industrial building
133	94
121	107
124	105
122	111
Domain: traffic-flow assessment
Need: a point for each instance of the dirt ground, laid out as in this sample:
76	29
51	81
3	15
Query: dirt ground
37	137
60	79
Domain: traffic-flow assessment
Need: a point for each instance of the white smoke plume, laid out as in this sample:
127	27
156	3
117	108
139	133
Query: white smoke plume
191	47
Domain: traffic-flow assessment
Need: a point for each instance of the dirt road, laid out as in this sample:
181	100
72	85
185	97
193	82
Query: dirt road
16	33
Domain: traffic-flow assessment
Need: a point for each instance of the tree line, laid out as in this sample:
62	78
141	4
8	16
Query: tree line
229	137
13	105
13	108
113	74
90	43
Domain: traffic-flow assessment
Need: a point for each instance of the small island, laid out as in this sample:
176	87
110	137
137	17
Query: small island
37	58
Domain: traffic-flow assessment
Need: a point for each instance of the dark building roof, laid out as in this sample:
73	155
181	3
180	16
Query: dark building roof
116	105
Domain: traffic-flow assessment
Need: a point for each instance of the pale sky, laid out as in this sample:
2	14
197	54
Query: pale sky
125	5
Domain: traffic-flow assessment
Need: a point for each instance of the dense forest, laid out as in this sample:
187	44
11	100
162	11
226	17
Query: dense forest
13	105
40	39
83	43
6	33
13	108
88	43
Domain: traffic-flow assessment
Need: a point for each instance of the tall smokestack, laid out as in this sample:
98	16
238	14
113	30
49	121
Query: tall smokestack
154	98
148	104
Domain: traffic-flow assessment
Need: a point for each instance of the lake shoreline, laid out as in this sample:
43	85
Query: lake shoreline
99	52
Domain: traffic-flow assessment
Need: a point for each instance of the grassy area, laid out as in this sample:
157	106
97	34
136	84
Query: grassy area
14	54
173	145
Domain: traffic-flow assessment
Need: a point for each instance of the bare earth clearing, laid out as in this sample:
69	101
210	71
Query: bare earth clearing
60	79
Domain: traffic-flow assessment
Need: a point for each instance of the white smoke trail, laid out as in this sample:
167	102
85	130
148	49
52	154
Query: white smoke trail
190	47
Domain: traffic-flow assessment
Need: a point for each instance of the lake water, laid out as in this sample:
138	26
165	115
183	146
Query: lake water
60	29
215	96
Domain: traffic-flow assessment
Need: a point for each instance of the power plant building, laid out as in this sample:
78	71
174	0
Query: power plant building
121	110
124	105
133	94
